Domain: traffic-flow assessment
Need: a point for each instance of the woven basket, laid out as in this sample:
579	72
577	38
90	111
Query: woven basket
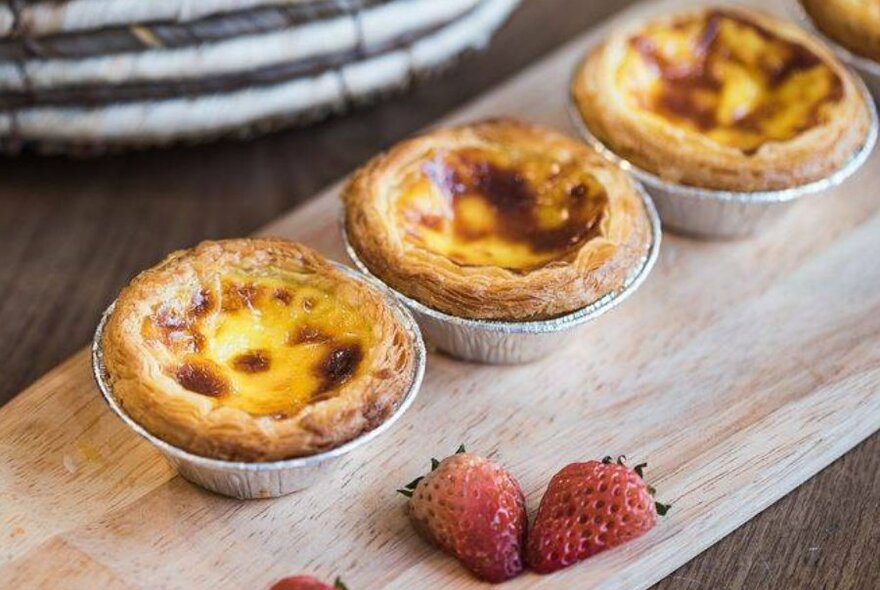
110	38
247	71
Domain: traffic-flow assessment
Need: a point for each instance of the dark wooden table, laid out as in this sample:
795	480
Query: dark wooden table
73	232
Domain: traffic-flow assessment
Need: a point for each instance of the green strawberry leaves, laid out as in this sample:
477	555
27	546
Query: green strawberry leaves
661	508
640	469
409	488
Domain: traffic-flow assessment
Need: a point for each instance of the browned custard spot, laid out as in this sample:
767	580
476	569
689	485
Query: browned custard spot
252	361
487	207
726	77
308	335
283	295
202	377
268	346
337	366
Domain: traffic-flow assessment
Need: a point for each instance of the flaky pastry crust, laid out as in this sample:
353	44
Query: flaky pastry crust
174	361
497	220
746	103
854	24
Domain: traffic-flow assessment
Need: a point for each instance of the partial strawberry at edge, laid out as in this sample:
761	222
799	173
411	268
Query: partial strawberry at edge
587	508
306	583
475	510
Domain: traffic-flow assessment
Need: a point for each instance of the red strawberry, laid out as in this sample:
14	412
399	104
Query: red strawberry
305	583
587	508
473	509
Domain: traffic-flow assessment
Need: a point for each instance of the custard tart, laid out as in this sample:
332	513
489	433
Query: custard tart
854	24
722	98
497	220
255	350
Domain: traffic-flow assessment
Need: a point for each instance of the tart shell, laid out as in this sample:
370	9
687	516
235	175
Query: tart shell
199	424
681	156
597	267
853	24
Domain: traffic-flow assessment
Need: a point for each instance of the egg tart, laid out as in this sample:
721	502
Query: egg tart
497	220
255	350
854	24
722	98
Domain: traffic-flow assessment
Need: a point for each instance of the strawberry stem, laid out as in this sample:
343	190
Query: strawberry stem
662	508
339	585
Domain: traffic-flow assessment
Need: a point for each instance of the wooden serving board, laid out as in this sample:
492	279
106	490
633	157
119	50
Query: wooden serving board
738	371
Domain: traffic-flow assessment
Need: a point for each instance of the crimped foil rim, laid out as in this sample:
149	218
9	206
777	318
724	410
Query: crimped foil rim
403	315
866	64
775	196
563	322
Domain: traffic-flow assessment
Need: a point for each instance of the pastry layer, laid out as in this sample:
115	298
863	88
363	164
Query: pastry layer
254	350
497	220
722	98
854	24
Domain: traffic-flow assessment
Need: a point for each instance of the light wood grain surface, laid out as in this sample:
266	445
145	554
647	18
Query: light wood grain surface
738	371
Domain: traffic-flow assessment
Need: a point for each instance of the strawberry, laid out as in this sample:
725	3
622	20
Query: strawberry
306	583
587	508
472	508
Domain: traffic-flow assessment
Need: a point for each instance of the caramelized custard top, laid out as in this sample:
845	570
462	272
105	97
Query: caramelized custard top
265	345
729	78
484	206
